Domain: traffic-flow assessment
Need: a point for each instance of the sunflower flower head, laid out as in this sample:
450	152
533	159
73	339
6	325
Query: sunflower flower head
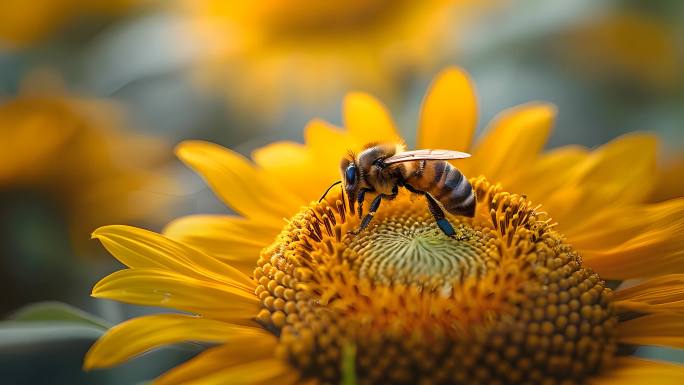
321	47
506	300
518	295
632	47
71	152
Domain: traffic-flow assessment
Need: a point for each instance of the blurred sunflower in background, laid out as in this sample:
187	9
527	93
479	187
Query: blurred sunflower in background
529	292
627	47
66	167
272	53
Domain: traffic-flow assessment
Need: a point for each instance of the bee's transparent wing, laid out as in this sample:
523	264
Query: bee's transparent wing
409	156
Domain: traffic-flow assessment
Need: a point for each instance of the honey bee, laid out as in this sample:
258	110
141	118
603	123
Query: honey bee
383	168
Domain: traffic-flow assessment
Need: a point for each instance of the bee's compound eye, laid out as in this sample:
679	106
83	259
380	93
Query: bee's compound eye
350	175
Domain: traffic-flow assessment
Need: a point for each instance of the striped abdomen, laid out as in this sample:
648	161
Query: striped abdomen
444	182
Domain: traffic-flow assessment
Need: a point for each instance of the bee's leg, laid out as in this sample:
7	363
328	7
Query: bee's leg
371	212
436	212
439	216
359	201
375	204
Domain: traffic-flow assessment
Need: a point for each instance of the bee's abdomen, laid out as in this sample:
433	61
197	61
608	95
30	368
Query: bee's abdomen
446	184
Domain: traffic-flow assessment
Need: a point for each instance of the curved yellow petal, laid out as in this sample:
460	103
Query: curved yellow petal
652	252
244	358
323	138
139	335
328	145
635	371
155	287
513	141
138	248
660	329
238	183
270	155
448	117
603	231
264	372
234	240
368	120
295	168
619	173
660	294
633	241
548	174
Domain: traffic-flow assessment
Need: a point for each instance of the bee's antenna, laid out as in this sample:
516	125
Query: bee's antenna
326	191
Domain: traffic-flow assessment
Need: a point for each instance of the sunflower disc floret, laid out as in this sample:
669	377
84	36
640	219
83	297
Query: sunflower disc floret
505	301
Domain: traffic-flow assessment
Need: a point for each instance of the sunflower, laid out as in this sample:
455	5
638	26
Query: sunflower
626	46
70	153
516	297
306	50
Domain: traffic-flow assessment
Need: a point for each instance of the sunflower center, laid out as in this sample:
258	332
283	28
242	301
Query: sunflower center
409	248
504	301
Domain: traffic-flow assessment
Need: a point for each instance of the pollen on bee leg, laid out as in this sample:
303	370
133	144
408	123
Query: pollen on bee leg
506	301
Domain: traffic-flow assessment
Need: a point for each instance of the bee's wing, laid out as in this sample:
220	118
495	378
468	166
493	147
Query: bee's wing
409	156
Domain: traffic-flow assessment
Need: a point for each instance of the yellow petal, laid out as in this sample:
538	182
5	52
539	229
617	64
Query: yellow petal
635	371
328	145
322	138
660	329
514	140
651	253
238	183
660	294
548	174
633	241
225	364
448	118
604	231
655	250
156	287
295	168
139	335
368	120
550	180
138	248
264	372
234	240
619	173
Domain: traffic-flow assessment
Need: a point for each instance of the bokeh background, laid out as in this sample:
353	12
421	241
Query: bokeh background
94	95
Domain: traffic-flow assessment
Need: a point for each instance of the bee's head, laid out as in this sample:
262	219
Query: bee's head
350	179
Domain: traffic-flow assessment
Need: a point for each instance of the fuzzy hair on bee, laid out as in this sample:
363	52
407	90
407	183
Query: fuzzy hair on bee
383	168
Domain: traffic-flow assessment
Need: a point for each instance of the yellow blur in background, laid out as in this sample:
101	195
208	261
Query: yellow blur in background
76	153
67	166
269	53
625	47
